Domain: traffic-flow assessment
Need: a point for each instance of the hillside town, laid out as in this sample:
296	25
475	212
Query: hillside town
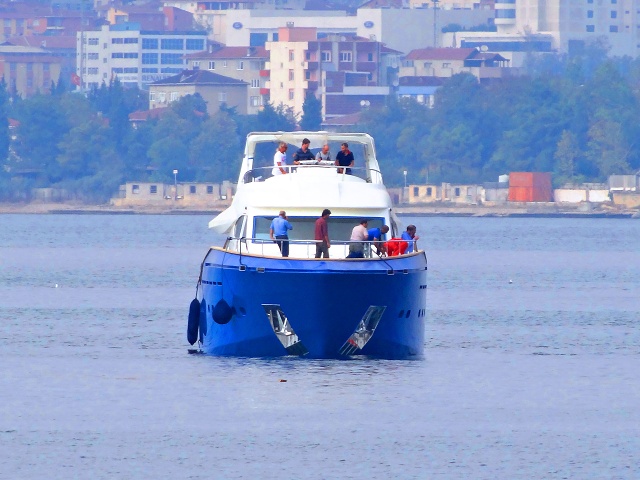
243	57
245	54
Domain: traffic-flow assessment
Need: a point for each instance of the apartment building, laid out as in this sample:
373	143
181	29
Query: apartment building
256	27
151	18
242	63
572	23
345	71
59	46
136	57
28	70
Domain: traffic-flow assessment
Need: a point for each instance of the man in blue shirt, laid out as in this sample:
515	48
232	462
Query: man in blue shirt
375	235
279	227
411	238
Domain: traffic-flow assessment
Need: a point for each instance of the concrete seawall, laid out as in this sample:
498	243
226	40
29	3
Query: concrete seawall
521	210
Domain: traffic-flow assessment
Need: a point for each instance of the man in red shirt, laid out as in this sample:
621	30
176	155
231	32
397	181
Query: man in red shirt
322	235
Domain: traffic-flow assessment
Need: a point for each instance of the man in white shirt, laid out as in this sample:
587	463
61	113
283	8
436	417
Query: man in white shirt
323	155
358	234
280	160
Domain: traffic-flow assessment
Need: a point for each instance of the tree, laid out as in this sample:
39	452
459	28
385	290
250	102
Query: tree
42	125
566	155
215	153
311	113
608	149
190	107
170	150
271	119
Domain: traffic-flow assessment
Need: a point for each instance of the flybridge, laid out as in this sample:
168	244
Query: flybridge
361	144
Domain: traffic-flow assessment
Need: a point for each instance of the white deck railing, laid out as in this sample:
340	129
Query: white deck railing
260	174
302	248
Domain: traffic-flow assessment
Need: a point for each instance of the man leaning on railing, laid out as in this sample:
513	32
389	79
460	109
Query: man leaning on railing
359	235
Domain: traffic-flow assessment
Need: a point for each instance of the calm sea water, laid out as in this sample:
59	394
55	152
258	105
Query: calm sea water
531	370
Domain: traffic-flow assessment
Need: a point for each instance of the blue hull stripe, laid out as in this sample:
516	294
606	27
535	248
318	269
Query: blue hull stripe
324	302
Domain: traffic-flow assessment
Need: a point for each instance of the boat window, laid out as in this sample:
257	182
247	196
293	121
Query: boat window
304	227
238	230
394	228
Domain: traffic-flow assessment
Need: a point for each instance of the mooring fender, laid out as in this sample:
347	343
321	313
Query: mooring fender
194	321
222	312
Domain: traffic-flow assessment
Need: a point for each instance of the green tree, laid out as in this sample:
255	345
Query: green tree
42	125
271	119
608	149
190	107
311	113
170	148
215	153
566	156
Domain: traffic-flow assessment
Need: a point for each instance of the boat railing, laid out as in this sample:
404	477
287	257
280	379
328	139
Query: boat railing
259	174
305	248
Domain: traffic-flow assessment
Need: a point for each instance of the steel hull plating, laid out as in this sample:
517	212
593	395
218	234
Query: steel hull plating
324	303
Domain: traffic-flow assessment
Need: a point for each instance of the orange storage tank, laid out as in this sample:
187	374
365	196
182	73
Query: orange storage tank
530	187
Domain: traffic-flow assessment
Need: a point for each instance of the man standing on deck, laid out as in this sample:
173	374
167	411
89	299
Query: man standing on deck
303	153
322	235
324	155
344	158
280	160
375	235
279	227
411	238
358	235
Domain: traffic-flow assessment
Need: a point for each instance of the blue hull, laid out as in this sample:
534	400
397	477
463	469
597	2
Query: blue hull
324	303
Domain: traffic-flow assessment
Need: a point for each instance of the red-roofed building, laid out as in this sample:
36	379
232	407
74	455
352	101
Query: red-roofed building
177	19
243	63
215	89
28	70
140	116
32	19
61	46
150	16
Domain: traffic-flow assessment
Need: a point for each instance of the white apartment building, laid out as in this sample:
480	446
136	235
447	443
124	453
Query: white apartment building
136	58
569	21
406	29
256	27
211	15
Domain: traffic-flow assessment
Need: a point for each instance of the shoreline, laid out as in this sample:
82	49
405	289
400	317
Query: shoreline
519	211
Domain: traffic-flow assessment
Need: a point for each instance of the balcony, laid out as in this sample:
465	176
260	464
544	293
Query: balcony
264	73
264	91
366	66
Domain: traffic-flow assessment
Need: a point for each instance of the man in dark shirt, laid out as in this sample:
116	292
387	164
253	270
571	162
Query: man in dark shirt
375	235
303	152
344	158
322	235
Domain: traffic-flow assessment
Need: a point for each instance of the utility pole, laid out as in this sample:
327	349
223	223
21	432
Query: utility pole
175	184
435	35
81	46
